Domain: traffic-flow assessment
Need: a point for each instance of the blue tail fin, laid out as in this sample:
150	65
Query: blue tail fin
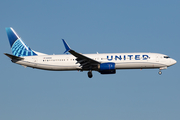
18	47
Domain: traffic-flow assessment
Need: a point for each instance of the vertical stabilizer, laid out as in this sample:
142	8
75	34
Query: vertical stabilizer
18	47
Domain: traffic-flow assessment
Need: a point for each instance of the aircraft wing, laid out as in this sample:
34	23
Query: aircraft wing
86	62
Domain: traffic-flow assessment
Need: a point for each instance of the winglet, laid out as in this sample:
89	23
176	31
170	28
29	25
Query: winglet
66	46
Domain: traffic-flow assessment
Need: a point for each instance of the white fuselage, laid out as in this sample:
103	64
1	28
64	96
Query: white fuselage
122	61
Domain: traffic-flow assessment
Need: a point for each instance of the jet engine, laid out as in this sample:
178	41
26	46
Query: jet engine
107	68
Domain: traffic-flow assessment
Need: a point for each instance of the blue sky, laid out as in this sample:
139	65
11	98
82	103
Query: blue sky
91	26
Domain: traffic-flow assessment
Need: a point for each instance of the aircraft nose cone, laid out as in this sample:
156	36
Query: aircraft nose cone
174	61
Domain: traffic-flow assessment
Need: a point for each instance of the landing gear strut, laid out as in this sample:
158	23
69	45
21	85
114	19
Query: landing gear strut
159	72
90	74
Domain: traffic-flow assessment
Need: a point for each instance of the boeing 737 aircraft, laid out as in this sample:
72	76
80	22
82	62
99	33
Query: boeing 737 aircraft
105	63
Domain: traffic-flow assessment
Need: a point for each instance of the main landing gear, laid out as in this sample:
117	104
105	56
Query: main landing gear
90	75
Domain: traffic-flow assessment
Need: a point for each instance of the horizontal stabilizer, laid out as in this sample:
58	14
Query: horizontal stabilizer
13	57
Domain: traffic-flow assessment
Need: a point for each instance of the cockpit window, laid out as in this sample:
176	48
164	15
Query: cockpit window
166	57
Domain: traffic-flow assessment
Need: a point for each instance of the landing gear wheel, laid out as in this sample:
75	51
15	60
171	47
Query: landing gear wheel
159	72
90	74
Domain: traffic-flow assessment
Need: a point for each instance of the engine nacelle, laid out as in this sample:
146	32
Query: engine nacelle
107	68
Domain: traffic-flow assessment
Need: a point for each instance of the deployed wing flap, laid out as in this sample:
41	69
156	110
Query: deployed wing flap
80	58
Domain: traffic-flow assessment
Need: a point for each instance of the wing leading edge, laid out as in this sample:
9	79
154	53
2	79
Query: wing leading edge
86	62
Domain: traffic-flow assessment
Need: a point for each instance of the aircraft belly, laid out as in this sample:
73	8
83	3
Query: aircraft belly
118	65
56	67
137	65
49	66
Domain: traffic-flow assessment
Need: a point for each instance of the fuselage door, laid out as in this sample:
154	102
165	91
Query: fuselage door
34	60
157	58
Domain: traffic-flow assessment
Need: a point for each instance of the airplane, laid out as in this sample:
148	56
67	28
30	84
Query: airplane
106	63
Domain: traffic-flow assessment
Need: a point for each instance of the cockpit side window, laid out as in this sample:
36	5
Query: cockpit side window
166	57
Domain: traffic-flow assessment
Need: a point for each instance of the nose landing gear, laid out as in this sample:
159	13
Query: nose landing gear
90	75
159	72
